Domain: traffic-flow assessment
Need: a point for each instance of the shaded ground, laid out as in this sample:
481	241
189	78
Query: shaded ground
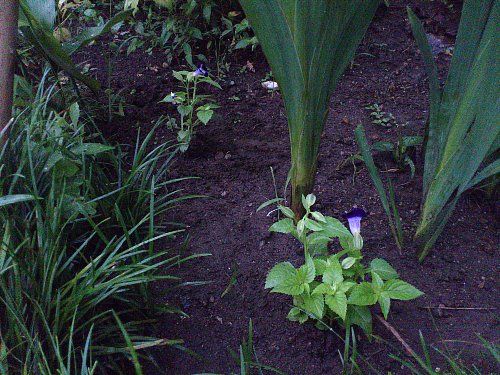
233	156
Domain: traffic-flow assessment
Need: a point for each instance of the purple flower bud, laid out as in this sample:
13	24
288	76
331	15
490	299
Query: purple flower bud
354	218
200	71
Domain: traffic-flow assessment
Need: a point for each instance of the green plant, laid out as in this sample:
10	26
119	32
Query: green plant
334	287
388	200
38	23
76	244
463	132
247	357
308	44
400	150
193	108
243	36
189	28
424	365
379	117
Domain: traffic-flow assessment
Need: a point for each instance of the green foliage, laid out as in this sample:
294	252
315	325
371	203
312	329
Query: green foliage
388	200
333	287
424	366
188	28
192	107
37	24
400	150
379	117
243	36
308	44
463	132
247	357
76	243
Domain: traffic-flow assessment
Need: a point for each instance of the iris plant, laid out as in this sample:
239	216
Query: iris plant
308	44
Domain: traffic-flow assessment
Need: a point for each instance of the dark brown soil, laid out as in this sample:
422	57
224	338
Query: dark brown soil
233	156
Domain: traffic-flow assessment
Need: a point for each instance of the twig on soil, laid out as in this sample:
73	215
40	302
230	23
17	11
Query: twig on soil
391	329
456	308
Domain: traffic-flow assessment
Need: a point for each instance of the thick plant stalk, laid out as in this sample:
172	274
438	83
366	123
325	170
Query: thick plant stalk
8	32
308	44
302	184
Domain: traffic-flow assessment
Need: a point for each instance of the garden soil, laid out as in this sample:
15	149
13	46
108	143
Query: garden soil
233	157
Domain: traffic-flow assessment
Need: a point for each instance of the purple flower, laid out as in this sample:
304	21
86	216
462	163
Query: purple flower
354	218
200	71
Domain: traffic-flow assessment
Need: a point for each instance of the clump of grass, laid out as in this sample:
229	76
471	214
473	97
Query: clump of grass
454	366
77	230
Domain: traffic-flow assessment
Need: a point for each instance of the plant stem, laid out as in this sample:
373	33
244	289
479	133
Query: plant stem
346	347
302	184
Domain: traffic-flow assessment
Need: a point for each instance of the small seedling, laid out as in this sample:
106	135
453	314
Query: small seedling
193	109
381	118
401	151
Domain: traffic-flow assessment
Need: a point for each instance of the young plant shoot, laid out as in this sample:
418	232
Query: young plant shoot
308	44
334	287
193	108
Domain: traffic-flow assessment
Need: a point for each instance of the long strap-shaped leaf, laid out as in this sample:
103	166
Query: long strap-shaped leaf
477	26
464	127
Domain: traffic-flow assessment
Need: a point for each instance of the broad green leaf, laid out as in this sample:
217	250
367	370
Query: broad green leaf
363	295
315	304
91	149
383	269
334	228
205	116
297	315
74	113
401	290
345	286
320	265
360	316
333	272
385	304
307	272
338	303
280	274
377	283
308	201
301	226
347	242
317	243
286	211
131	4
184	110
348	262
283	226
312	225
289	289
318	216
323	289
